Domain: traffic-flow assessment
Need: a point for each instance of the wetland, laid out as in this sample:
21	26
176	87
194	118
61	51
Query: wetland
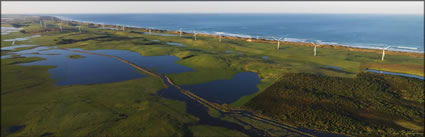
131	82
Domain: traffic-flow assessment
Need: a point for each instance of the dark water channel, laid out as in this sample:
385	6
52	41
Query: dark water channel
198	110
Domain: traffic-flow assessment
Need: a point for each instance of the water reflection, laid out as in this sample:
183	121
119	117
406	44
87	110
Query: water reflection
175	44
99	69
227	91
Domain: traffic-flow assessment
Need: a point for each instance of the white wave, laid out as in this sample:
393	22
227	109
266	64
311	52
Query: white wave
401	47
229	34
294	40
327	43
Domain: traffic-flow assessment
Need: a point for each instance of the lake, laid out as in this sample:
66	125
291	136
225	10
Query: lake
226	91
93	69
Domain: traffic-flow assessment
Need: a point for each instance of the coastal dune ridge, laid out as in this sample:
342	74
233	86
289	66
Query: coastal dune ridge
391	50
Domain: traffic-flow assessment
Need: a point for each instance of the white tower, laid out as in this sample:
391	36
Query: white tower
383	53
315	46
278	42
150	31
194	34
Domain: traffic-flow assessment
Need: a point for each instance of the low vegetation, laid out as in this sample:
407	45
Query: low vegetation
75	56
368	105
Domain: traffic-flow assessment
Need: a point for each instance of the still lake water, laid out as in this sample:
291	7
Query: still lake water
403	32
89	70
227	91
99	69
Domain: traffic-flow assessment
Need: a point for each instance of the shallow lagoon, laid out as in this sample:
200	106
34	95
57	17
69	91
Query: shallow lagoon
90	70
95	69
227	91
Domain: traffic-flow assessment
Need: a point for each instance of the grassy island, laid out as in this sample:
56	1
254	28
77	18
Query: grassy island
75	56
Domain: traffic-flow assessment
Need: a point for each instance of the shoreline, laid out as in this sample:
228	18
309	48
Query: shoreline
249	39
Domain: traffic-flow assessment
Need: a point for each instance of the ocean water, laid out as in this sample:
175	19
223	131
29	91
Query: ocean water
401	32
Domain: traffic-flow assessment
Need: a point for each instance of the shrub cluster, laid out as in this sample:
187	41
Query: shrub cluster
368	105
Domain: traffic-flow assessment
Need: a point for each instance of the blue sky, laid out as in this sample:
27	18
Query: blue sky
367	7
